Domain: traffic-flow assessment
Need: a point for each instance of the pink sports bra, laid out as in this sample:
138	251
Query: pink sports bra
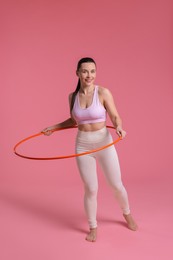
93	114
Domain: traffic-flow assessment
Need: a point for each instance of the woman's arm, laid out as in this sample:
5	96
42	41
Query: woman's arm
70	122
109	104
67	123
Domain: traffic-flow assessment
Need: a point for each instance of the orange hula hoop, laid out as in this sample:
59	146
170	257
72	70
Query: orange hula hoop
62	156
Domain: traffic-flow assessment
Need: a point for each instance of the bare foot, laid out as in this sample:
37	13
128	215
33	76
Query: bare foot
130	222
92	235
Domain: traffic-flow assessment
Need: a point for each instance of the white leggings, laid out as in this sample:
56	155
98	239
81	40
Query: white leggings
108	160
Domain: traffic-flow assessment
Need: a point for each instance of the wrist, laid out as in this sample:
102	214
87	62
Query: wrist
118	127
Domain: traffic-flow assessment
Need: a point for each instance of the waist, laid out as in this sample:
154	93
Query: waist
92	127
94	136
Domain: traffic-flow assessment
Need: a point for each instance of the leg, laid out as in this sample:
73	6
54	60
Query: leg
110	164
108	160
87	169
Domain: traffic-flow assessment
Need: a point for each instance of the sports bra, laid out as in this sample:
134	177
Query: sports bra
93	114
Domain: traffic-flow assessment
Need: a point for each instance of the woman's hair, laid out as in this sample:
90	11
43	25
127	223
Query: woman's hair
83	60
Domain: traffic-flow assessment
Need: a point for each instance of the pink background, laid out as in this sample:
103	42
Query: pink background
41	202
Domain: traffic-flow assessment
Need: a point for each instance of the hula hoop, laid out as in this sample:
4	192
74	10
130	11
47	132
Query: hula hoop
62	156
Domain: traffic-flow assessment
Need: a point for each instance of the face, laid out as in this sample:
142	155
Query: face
87	74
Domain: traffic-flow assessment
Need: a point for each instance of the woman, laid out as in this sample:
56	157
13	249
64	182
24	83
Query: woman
89	105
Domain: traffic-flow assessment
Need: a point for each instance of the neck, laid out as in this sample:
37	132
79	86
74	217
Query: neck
87	89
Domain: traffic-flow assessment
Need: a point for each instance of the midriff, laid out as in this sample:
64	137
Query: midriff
91	127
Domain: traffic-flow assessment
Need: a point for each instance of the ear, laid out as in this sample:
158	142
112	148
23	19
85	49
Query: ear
77	73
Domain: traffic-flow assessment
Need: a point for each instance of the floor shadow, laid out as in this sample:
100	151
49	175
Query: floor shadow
113	222
61	217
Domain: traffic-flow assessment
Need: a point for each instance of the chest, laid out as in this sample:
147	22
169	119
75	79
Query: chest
85	101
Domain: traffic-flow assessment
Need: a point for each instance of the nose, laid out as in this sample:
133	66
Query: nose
88	74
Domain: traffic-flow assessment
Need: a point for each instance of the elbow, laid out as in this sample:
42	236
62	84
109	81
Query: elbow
73	122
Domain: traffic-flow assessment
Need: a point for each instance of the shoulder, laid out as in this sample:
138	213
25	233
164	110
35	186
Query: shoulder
70	96
104	92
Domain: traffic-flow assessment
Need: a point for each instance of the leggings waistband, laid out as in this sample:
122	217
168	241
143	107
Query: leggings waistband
93	136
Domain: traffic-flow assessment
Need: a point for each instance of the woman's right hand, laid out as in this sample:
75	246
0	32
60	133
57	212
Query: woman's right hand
47	131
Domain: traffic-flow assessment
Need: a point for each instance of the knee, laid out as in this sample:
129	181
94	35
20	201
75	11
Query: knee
91	191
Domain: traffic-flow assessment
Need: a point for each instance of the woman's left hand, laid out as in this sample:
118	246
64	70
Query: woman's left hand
120	132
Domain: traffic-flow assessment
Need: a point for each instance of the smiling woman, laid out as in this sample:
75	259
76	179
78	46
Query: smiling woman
86	71
89	105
